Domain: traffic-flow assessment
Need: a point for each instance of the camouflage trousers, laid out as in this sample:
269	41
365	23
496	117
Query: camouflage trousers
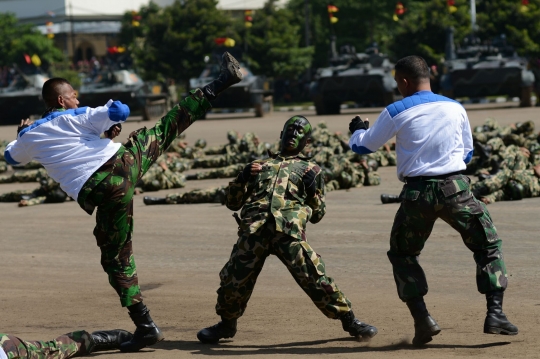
3	166
210	195
77	343
224	172
111	190
451	200
24	176
239	275
15	196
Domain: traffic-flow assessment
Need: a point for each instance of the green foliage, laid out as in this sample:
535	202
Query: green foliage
422	30
274	43
17	40
520	24
360	23
172	42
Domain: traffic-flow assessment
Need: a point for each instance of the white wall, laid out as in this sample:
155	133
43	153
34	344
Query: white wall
37	8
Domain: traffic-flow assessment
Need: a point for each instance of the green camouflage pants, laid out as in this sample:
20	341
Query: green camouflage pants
77	343
209	195
451	200
111	190
239	275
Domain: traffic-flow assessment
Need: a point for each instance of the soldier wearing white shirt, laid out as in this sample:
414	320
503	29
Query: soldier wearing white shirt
433	145
99	173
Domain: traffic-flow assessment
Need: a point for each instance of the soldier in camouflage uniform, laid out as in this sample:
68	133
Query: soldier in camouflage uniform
49	191
278	196
24	176
223	172
209	195
516	180
78	343
433	143
159	176
111	186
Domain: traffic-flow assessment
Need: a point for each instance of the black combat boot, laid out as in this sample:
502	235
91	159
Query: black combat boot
355	327
496	321
110	339
147	332
191	177
224	329
390	198
425	327
229	75
154	200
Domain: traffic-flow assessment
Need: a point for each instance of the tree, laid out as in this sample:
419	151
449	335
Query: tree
360	23
274	43
516	19
16	40
172	42
422	31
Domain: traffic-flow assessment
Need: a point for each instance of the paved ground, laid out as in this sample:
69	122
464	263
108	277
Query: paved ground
53	282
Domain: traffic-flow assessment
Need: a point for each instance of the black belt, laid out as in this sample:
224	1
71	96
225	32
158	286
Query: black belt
426	178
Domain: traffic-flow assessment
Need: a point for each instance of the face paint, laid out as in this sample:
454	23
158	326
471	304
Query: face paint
295	134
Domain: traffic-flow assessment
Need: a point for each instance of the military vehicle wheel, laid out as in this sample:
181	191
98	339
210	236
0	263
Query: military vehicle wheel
389	98
327	108
526	93
259	110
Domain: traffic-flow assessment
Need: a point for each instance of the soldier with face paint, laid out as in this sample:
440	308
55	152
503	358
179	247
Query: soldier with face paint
278	196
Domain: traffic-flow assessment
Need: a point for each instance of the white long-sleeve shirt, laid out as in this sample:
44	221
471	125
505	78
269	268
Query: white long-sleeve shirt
68	143
433	135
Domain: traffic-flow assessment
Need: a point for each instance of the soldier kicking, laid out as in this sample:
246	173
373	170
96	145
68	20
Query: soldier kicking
100	173
278	195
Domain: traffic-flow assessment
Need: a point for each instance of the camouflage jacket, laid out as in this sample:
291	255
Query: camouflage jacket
278	191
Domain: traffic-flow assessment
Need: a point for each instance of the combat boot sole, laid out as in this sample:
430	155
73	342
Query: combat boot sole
233	67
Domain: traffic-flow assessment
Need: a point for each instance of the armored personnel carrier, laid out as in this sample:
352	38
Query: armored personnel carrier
22	99
252	92
481	69
364	78
125	86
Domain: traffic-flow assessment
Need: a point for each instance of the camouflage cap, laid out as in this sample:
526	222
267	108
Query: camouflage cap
200	143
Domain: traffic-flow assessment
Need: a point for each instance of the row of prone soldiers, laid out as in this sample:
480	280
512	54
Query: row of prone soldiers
506	162
343	169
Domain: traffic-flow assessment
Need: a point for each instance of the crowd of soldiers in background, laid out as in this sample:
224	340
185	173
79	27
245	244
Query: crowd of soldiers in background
506	162
343	169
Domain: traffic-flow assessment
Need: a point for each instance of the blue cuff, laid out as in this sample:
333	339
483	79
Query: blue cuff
10	159
118	112
468	157
361	150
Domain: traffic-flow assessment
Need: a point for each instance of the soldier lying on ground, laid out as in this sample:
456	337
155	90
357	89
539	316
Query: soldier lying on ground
48	191
78	343
209	195
278	196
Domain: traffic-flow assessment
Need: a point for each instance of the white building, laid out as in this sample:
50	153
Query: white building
87	28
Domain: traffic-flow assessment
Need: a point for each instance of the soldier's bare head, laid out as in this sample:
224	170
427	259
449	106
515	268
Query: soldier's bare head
58	93
412	75
296	135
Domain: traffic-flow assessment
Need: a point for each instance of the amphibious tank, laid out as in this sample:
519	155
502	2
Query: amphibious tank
22	99
479	69
363	78
252	92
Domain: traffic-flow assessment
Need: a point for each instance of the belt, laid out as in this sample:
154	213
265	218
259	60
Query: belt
426	178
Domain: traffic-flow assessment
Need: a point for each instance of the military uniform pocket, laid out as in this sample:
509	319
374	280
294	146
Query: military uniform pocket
295	187
453	186
409	194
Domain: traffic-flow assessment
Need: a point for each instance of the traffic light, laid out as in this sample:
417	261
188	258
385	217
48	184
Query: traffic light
135	19
399	11
524	6
227	41
49	26
248	19
331	10
451	6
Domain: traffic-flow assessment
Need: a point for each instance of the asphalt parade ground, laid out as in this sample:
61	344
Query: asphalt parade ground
53	283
